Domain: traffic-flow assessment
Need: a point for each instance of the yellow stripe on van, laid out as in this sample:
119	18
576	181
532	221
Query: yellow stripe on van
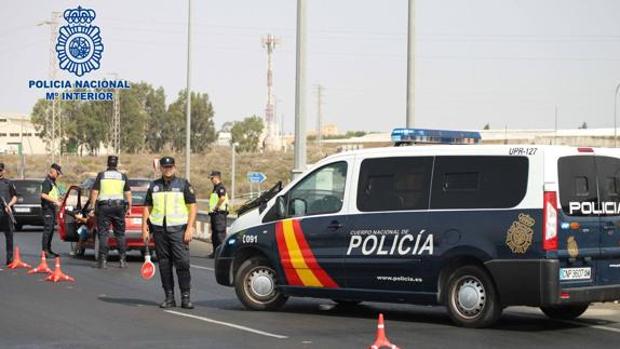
297	260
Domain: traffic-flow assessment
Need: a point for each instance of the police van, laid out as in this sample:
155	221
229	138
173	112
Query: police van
476	228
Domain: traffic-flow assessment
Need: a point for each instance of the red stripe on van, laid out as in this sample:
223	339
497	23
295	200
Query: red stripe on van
285	259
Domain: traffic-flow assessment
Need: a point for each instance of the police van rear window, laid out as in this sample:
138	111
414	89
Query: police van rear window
478	182
589	185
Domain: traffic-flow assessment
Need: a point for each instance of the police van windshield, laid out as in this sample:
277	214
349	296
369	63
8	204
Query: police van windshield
589	185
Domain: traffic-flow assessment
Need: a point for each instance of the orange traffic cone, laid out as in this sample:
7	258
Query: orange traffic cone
58	275
42	268
17	261
381	341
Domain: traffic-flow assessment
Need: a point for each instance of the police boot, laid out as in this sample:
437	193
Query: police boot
102	262
123	262
169	302
186	303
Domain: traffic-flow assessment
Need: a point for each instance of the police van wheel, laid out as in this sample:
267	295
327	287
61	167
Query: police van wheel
471	298
565	312
256	285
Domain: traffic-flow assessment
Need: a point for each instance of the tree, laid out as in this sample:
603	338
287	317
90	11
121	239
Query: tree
202	129
247	133
155	107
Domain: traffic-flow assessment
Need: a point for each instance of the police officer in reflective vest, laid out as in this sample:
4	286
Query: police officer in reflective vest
50	200
8	198
218	210
112	196
170	210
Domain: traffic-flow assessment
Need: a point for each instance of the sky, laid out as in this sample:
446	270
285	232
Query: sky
507	63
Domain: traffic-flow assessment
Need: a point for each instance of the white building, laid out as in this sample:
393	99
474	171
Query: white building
16	130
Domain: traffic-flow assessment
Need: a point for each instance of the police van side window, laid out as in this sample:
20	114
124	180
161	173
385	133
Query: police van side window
577	178
321	192
392	184
461	182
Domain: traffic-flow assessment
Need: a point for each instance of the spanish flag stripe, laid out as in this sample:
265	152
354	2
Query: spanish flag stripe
289	272
305	274
311	261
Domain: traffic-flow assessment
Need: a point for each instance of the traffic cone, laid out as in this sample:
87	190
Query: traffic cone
381	341
17	261
42	268
58	275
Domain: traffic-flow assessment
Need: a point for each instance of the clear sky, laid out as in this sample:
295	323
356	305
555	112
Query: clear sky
503	62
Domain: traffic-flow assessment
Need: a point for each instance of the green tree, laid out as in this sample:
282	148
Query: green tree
247	133
202	129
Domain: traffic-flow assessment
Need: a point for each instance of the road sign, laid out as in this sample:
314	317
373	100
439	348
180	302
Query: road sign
256	177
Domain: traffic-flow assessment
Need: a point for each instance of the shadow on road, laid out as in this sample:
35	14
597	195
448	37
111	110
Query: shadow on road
128	301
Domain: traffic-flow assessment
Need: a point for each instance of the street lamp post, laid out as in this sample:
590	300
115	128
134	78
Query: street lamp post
188	121
232	175
615	118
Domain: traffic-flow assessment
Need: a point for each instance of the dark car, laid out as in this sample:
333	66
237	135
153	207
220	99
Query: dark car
27	210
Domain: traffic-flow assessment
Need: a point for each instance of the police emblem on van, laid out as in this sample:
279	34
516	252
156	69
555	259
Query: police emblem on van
520	233
573	249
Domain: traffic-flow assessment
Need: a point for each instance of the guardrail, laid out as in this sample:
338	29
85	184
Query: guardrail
203	226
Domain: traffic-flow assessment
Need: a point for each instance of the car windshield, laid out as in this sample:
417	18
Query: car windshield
30	191
138	195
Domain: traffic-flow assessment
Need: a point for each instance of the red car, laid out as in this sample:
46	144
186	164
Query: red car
75	200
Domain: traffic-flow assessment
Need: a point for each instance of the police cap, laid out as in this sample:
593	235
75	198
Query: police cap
166	161
112	161
56	167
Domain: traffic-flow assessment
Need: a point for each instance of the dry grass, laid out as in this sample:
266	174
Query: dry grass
276	165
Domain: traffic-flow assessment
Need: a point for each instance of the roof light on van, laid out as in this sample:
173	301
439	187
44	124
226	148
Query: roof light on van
585	150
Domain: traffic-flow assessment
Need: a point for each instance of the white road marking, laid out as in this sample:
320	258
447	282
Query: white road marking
201	267
585	324
228	324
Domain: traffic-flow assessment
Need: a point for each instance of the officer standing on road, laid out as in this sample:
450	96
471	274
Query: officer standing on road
50	200
107	193
170	207
218	210
8	198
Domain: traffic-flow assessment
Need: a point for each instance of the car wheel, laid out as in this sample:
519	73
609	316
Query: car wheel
471	298
565	312
256	285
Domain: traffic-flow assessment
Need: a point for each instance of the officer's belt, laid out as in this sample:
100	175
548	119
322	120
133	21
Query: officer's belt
111	202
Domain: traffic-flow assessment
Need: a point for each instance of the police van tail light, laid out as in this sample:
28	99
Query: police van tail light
550	221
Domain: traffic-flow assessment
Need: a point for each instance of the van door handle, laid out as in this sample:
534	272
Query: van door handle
334	225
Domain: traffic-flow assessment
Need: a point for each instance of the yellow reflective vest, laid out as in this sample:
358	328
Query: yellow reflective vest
111	185
169	203
215	198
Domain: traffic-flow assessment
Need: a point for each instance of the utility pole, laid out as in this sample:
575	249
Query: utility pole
555	135
300	91
232	176
319	115
411	65
53	23
188	123
271	140
116	120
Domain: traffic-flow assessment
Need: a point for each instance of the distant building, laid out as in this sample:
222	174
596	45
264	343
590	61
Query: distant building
16	130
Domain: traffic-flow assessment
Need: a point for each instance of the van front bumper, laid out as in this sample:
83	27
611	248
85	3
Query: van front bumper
536	282
223	272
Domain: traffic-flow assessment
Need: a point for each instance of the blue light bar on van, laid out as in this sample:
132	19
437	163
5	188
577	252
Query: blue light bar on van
427	136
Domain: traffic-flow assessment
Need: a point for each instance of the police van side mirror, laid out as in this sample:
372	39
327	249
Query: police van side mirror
281	207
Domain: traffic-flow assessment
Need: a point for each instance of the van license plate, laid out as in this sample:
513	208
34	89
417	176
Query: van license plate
575	273
22	209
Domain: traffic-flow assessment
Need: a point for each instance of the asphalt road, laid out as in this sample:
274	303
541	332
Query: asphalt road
116	308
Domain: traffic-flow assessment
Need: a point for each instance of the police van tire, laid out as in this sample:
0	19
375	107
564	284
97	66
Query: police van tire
471	298
565	312
256	285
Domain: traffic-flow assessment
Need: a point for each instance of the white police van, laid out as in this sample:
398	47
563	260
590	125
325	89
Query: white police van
476	228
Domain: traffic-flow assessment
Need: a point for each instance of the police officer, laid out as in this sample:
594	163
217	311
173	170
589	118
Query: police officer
8	197
218	210
50	200
170	207
107	193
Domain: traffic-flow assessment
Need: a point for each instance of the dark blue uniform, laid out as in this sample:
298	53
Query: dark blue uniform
7	192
